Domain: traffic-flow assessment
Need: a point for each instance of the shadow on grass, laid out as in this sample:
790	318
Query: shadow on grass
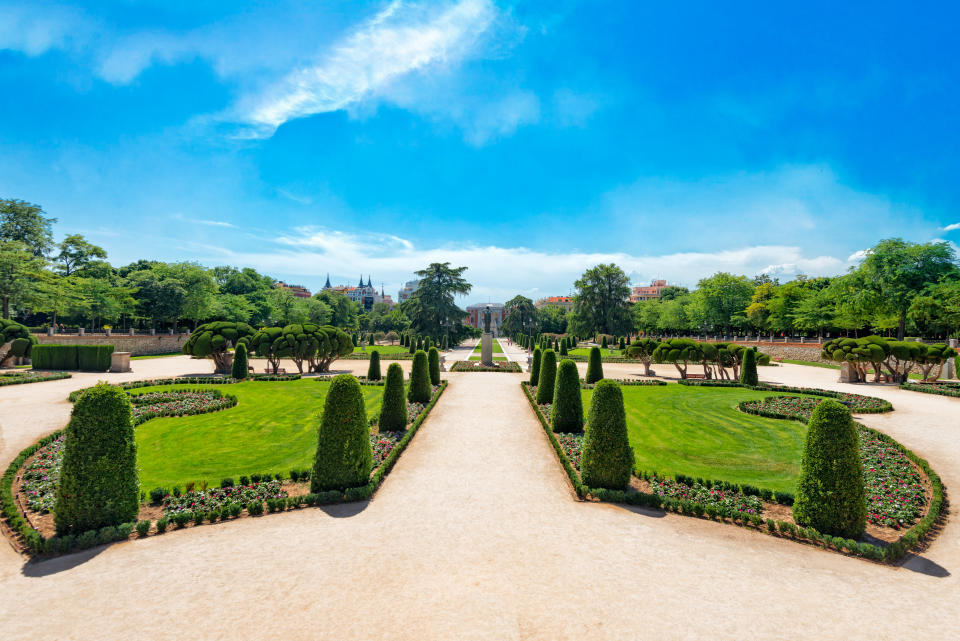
345	510
38	568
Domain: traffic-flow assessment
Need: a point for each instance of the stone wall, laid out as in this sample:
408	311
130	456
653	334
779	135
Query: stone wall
137	345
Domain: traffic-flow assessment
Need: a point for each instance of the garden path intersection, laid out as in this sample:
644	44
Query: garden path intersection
476	534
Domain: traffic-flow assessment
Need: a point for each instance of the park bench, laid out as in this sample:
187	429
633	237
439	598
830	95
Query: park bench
697	376
279	370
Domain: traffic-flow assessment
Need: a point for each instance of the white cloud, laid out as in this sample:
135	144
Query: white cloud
34	31
201	221
857	256
399	40
953	227
500	272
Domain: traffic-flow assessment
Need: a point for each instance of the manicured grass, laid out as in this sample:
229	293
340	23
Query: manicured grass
698	431
145	356
496	358
272	429
604	353
383	349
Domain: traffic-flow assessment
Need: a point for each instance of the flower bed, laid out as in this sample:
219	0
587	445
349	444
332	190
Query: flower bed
30	376
178	403
628	382
858	402
895	492
477	366
221	497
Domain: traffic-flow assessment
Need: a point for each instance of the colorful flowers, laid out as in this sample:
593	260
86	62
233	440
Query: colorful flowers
178	403
217	498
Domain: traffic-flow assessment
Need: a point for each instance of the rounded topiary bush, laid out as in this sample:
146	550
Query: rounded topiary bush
748	369
373	370
98	476
433	361
567	410
393	412
344	457
830	493
607	459
548	377
594	366
535	366
420	389
239	369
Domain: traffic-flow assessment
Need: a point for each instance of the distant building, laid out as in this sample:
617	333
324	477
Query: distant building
365	294
296	290
407	290
648	293
475	316
565	302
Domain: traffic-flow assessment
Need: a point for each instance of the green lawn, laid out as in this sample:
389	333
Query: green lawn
272	429
604	353
477	357
383	349
699	432
145	356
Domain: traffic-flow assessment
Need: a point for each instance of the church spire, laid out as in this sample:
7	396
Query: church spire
361	281
369	284
327	286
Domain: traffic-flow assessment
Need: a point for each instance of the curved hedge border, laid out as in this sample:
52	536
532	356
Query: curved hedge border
628	382
362	356
34	543
889	554
190	380
884	405
30	377
510	367
952	390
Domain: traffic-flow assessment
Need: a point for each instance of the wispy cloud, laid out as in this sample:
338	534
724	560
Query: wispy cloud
401	39
953	227
202	221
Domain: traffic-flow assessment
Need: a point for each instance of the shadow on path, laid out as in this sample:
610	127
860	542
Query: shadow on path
345	510
923	565
45	567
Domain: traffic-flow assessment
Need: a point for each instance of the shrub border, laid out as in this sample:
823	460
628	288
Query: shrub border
190	380
33	542
17	380
952	392
889	554
507	367
886	406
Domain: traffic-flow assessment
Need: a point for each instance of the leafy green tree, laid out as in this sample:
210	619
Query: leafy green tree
20	273
76	253
159	297
552	318
594	366
24	222
724	298
214	340
567	410
548	377
642	349
679	351
420	389
607	459
520	316
268	343
600	304
343	311
239	369
333	343
98	478
344	455
199	290
830	493
393	411
899	271
15	340
431	308
938	310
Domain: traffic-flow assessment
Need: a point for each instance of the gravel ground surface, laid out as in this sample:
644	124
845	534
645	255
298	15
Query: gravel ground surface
476	535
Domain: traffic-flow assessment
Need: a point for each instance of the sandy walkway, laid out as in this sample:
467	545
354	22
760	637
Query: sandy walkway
476	535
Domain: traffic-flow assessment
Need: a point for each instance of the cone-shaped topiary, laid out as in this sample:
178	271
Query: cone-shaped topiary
623	343
433	361
239	369
98	477
373	370
411	345
830	492
535	366
419	342
595	366
567	410
370	340
393	412
420	389
607	459
604	343
548	377
563	348
748	369
445	344
344	456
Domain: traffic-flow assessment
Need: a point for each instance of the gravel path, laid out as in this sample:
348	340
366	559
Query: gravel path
476	535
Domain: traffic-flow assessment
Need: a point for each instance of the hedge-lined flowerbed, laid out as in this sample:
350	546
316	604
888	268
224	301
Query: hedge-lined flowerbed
858	403
684	495
30	376
476	366
190	380
387	447
941	389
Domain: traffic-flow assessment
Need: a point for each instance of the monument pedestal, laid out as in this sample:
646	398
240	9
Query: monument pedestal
486	348
848	374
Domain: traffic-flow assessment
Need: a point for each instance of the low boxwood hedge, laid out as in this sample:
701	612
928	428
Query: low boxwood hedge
29	376
941	389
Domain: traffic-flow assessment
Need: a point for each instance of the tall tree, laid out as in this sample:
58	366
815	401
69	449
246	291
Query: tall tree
899	271
600	304
25	222
434	310
520	316
343	311
724	297
20	273
76	254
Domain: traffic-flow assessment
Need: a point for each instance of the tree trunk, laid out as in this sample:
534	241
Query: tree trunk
902	326
6	307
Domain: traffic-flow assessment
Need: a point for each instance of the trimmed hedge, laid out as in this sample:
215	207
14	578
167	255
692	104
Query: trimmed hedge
830	492
420	388
31	377
59	357
952	390
373	370
595	366
433	360
607	459
884	406
344	457
94	358
98	478
548	377
393	410
535	366
567	410
240	369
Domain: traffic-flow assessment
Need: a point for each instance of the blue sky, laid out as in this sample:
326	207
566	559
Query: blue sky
526	140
